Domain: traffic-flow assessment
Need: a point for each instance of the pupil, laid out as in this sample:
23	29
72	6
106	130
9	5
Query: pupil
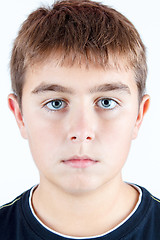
56	104
106	102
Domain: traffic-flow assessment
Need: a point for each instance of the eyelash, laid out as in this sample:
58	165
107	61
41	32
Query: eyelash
109	100
51	103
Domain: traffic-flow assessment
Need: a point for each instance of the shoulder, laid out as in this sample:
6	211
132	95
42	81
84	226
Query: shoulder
154	201
11	215
155	206
144	223
11	205
15	204
149	213
8	211
151	203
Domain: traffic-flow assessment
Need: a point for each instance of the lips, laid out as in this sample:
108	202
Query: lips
80	162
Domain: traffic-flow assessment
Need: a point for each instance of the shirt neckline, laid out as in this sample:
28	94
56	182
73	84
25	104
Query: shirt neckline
92	237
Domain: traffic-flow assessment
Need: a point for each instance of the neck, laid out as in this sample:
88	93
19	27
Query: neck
86	214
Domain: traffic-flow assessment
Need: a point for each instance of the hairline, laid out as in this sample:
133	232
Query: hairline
126	66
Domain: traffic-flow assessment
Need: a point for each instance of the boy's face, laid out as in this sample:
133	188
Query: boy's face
71	113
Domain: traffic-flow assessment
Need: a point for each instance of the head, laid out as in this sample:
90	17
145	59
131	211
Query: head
82	32
78	73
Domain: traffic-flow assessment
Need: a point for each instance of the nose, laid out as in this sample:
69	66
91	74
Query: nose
82	127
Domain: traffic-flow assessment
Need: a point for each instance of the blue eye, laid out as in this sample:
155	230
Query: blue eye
106	103
55	105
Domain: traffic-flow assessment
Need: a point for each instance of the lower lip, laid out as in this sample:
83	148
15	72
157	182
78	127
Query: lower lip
79	163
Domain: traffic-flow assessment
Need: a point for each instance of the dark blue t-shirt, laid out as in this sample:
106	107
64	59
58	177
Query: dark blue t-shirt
18	223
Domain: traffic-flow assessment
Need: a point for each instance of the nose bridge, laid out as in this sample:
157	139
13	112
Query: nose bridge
82	124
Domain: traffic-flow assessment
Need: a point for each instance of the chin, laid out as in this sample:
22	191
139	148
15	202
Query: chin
79	191
81	187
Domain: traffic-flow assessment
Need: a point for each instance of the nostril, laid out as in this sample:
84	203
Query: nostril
73	138
88	138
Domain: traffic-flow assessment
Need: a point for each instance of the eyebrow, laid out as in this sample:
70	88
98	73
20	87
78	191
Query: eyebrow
51	87
100	88
111	87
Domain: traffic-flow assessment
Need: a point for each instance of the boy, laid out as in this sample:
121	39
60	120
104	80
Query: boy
78	73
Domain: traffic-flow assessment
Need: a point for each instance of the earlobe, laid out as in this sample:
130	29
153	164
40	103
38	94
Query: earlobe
15	108
142	111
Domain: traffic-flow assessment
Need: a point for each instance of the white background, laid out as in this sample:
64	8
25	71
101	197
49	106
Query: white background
17	170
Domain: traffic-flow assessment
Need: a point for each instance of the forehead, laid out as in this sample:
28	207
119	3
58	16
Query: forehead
81	77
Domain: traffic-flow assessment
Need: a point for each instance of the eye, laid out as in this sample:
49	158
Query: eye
55	105
107	103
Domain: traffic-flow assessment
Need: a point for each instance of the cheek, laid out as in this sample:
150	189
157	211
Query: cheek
117	134
44	137
120	125
116	145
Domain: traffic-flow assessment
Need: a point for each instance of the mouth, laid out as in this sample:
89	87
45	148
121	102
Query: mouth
80	162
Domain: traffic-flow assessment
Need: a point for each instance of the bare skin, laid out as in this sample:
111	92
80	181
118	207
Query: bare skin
88	215
86	113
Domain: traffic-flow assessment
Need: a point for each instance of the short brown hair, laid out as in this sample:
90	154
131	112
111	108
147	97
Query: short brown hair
77	29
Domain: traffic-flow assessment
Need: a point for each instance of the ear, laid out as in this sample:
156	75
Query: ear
15	108
142	111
